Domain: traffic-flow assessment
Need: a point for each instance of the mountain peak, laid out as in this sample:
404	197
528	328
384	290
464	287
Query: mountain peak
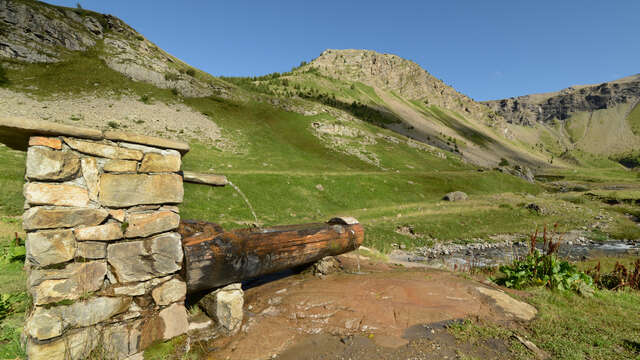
393	73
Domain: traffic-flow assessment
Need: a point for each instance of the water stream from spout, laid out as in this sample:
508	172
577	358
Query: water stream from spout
246	200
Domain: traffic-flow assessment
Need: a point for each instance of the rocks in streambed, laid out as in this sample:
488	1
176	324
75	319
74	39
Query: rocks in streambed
456	196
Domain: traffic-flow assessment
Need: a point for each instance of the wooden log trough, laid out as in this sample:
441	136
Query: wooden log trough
215	257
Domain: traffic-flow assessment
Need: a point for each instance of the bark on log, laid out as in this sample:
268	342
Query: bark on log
214	257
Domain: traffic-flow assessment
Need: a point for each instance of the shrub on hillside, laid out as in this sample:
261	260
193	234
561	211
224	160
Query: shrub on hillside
4	80
191	72
629	160
169	76
544	268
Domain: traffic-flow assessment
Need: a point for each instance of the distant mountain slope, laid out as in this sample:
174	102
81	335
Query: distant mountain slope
426	109
601	119
73	56
392	73
529	109
37	32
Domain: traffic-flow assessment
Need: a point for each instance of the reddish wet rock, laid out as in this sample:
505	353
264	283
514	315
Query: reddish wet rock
379	304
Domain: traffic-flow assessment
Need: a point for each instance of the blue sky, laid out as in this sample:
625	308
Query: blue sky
484	49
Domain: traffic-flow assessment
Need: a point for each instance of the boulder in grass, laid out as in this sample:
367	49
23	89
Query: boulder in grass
456	196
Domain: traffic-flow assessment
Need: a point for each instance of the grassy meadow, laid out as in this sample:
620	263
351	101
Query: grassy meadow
290	174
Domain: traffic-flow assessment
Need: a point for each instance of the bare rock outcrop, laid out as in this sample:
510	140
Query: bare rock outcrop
391	72
531	109
36	32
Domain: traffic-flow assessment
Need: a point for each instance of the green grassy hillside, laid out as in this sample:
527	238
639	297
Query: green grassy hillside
317	142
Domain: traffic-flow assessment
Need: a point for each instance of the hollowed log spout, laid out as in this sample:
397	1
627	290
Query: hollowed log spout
215	257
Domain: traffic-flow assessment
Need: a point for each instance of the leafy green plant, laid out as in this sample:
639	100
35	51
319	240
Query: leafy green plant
113	125
191	72
13	252
503	162
544	269
5	305
10	303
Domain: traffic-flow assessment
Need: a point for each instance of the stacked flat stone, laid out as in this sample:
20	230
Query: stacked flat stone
103	253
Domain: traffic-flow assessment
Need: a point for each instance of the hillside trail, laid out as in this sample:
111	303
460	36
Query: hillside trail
383	312
342	173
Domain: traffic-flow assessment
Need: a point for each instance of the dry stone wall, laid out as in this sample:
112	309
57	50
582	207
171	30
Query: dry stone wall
103	254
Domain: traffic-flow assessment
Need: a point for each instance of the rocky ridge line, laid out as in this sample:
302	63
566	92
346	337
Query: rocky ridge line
532	109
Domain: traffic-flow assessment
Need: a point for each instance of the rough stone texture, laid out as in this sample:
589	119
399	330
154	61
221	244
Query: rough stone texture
183	148
143	260
103	150
172	208
136	289
74	345
141	225
118	215
47	164
520	171
49	247
91	250
456	196
170	161
91	176
206	179
325	266
175	321
511	306
15	132
69	197
128	189
48	323
50	142
106	232
56	194
121	166
70	283
123	340
225	307
49	218
169	292
138	356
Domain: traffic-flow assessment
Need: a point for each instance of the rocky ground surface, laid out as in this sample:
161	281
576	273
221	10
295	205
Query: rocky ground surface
389	312
123	112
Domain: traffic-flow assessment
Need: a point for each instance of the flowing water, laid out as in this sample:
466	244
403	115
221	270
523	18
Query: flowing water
246	200
503	255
